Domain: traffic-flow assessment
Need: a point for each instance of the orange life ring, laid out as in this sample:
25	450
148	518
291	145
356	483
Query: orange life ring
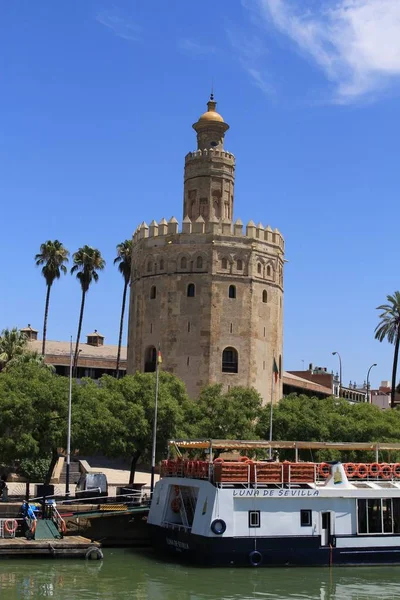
63	526
218	460
176	505
362	471
244	459
350	469
374	469
386	471
11	528
396	470
324	470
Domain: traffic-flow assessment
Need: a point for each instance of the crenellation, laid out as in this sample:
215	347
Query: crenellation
251	229
226	227
199	225
173	226
186	225
153	229
163	227
238	228
208	153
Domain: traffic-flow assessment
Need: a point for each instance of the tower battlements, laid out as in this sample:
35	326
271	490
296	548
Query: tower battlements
209	153
164	229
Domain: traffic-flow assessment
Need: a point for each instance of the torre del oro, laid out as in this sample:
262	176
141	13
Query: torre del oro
208	292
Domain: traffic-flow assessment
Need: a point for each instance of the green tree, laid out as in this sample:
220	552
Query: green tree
389	328
124	260
87	261
229	415
33	409
12	343
53	257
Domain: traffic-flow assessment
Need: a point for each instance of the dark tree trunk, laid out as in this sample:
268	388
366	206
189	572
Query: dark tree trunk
46	312
53	462
394	370
79	334
121	326
135	458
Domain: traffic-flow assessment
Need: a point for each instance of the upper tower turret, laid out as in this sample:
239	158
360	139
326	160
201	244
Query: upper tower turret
210	128
210	171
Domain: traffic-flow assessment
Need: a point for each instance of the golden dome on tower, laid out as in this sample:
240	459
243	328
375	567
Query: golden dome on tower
211	114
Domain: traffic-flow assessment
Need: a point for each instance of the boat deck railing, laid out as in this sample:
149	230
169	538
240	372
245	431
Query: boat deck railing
248	472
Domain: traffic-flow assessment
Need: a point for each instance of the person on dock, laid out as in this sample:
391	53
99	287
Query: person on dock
3	488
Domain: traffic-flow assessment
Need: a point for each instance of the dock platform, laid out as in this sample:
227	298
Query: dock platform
68	547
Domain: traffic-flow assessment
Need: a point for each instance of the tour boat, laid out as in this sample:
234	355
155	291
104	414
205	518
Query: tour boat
243	512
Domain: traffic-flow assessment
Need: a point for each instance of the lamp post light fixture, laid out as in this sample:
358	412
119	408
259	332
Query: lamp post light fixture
340	371
368	394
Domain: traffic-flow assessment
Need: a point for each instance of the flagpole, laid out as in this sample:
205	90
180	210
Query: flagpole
153	452
69	422
270	411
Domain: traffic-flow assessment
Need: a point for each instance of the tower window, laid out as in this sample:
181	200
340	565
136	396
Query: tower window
150	359
183	262
149	266
259	268
269	271
224	263
232	291
213	144
264	296
230	360
239	265
161	265
153	292
190	290
231	327
188	326
199	262
188	361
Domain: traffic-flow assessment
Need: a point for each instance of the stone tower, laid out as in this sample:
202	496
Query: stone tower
211	293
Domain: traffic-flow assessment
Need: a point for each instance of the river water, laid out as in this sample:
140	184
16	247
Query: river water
127	574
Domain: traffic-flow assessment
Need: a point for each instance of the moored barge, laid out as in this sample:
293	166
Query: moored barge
247	512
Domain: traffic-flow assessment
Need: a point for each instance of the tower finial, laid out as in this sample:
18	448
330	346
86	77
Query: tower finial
212	89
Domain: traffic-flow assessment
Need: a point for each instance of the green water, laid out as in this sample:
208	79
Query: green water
126	574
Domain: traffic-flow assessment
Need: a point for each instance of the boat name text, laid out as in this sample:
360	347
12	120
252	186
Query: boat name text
275	493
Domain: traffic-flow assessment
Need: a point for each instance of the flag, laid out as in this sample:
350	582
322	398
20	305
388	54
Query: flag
275	370
159	357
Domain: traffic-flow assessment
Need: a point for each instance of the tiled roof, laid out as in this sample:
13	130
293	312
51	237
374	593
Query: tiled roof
299	382
53	348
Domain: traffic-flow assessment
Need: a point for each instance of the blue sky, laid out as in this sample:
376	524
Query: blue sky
97	100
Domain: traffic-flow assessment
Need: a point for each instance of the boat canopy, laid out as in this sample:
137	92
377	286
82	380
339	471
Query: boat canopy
187	444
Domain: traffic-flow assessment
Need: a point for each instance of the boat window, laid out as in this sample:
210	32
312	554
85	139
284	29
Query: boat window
374	516
254	518
305	518
396	515
387	515
362	516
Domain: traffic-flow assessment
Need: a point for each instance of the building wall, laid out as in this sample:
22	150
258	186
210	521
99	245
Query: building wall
194	331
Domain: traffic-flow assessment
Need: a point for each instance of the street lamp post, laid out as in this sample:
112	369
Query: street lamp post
340	371
368	394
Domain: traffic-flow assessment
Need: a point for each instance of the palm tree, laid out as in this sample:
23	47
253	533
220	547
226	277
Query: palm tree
29	358
389	328
12	343
124	258
87	261
52	255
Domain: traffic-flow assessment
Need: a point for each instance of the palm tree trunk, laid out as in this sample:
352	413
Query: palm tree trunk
394	370
121	326
46	312
78	336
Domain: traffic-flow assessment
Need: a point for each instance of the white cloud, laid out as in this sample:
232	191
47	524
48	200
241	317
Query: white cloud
355	42
121	26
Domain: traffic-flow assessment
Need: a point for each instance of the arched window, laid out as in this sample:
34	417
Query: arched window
162	264
259	268
150	358
269	271
232	291
183	262
190	290
149	266
224	263
153	292
199	262
230	360
239	265
265	296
